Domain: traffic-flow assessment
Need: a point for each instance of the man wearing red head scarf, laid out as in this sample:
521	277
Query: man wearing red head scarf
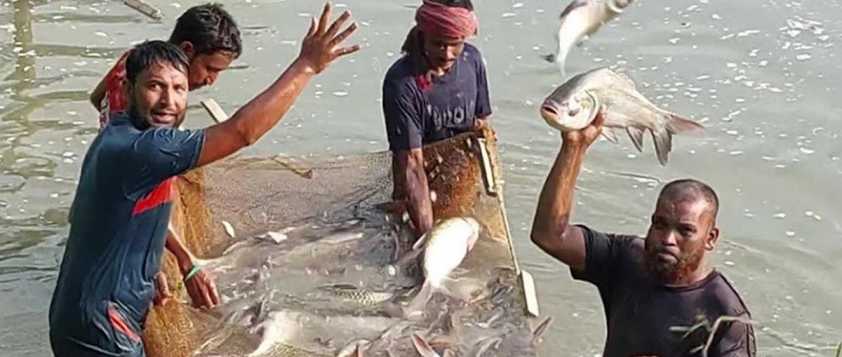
436	90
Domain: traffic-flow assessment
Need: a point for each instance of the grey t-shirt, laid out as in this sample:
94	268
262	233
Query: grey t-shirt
640	312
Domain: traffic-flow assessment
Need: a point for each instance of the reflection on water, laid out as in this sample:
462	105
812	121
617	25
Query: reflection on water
761	75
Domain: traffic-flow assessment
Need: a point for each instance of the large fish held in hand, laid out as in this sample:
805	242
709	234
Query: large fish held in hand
575	104
444	247
581	19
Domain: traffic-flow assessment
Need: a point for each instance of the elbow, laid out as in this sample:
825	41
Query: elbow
543	235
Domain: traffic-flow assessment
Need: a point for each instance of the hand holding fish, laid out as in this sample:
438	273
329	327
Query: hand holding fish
583	138
319	47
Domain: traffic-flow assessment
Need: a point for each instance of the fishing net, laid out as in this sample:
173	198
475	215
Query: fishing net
303	249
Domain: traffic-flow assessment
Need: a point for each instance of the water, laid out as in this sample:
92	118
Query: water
759	74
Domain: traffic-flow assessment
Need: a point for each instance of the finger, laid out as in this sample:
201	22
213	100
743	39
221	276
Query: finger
324	18
338	23
214	294
343	35
347	50
312	29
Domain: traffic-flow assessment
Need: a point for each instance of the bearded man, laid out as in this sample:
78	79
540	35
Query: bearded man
647	285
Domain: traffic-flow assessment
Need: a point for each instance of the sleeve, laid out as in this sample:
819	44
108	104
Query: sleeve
604	253
483	107
158	154
403	121
737	341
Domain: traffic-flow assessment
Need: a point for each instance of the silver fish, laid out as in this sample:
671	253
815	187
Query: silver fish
581	19
444	247
574	105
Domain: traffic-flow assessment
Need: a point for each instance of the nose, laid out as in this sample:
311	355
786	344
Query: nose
671	239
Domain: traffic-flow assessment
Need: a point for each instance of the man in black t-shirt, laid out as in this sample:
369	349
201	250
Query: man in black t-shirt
650	287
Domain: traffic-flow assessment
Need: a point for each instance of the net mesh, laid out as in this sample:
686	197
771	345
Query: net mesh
256	195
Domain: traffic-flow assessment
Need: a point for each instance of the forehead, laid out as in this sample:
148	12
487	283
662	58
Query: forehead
217	60
682	209
451	41
164	71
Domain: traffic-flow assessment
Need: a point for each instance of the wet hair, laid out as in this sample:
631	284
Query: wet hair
412	45
153	52
209	28
684	189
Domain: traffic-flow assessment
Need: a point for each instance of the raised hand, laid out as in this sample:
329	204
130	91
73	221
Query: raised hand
321	44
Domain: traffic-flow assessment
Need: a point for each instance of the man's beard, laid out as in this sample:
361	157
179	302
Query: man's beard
671	272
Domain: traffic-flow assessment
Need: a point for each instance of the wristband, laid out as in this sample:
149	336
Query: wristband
192	272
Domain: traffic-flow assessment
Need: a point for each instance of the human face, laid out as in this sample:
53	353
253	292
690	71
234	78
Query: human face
680	235
159	96
442	52
205	68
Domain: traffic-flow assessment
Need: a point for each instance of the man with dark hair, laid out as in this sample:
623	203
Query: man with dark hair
437	90
649	286
210	38
208	35
118	219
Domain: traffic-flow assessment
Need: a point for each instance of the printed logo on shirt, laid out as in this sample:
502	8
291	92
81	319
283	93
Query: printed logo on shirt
451	117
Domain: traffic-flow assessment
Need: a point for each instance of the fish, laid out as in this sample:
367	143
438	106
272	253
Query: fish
574	105
363	297
580	20
512	344
444	247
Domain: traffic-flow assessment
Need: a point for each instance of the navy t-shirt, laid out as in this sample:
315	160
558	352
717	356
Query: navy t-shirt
118	227
447	108
641	314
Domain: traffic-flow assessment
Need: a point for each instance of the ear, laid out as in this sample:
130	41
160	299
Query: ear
188	48
712	237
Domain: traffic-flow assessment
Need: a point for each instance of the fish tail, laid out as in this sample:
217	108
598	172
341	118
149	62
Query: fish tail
423	347
419	302
663	145
678	125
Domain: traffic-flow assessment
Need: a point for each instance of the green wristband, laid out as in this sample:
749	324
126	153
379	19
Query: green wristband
192	272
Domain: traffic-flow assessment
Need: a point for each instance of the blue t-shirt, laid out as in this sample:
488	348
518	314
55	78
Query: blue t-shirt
118	227
447	108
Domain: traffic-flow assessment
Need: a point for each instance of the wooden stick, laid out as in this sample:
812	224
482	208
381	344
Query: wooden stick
212	107
145	8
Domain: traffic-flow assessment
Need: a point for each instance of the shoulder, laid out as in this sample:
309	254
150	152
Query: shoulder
472	54
722	292
400	73
633	242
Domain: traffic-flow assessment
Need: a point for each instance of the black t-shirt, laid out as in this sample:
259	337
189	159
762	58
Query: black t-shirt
641	314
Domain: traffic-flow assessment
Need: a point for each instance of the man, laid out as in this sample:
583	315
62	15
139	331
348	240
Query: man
648	285
210	38
437	90
122	205
206	33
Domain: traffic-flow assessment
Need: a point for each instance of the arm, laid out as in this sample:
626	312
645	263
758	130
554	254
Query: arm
483	107
199	284
551	229
404	132
98	94
263	112
410	166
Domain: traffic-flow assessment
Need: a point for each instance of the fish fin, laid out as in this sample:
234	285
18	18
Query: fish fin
419	302
663	145
572	6
678	125
623	72
449	353
581	41
549	57
423	347
420	242
408	257
609	135
540	330
636	136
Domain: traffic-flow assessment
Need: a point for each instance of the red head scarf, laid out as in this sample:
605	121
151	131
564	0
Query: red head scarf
446	21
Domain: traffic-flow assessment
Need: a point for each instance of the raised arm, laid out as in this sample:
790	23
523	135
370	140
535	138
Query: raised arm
551	229
261	114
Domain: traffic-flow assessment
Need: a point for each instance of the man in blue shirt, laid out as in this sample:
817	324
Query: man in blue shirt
437	90
118	220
